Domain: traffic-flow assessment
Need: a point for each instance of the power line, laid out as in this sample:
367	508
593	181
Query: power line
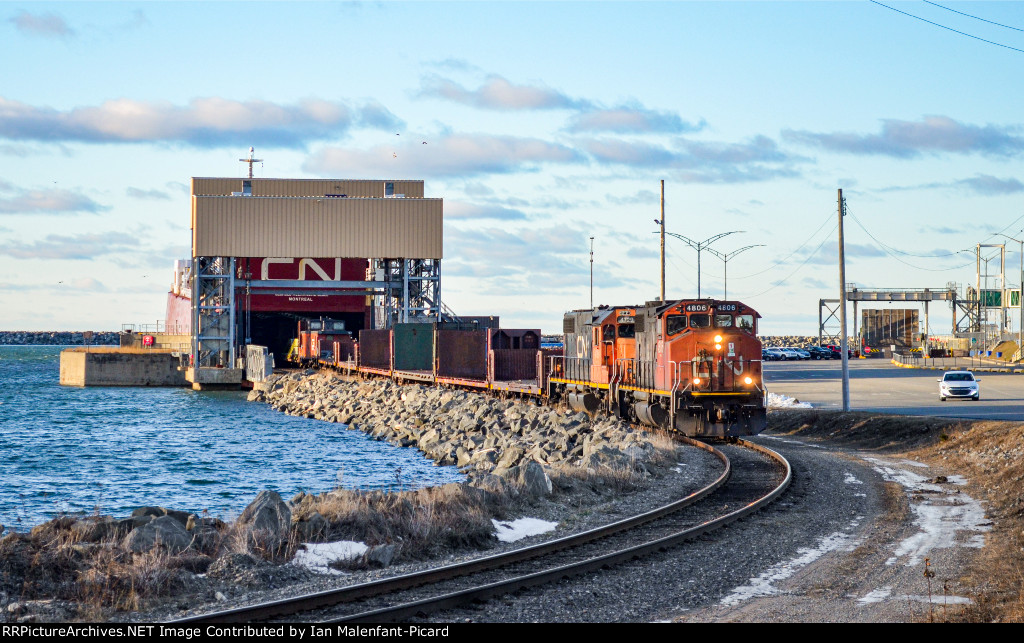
892	251
797	249
991	42
797	269
998	24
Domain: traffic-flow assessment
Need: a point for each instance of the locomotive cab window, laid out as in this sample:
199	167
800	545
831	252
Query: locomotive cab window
608	333
675	324
700	321
723	321
745	322
627	330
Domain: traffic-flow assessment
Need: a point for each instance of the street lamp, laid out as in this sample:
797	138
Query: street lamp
1020	297
725	256
698	246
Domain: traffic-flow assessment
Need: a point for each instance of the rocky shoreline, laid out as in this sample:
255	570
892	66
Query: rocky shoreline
482	435
516	456
57	338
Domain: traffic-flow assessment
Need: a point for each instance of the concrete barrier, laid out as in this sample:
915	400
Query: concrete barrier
114	367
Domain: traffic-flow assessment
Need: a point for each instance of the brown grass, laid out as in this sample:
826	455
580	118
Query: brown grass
424	522
622	478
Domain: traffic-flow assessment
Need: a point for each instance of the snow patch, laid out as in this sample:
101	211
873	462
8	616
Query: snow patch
512	530
939	599
803	444
318	556
914	463
849	478
777	401
939	515
876	595
763	585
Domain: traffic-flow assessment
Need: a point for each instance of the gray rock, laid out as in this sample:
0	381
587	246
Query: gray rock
381	555
231	566
312	529
266	522
162	531
535	480
92	530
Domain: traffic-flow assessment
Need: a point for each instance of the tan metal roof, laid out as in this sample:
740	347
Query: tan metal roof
240	226
221	186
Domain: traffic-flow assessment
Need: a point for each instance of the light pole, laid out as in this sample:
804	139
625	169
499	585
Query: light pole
1020	297
591	272
698	246
725	256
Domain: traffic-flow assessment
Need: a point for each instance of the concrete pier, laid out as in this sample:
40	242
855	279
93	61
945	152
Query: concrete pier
107	366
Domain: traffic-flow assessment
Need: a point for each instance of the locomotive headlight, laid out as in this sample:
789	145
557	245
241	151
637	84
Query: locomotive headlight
696	381
718	347
718	340
748	380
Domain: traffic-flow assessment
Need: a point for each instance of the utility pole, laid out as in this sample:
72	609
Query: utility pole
663	241
591	273
843	344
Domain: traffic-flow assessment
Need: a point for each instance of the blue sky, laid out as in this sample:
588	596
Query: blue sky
545	124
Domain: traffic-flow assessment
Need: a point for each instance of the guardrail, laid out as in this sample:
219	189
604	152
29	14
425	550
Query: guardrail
972	362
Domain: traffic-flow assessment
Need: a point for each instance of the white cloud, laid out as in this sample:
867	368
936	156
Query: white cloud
14	200
908	139
499	94
78	247
204	122
47	25
460	155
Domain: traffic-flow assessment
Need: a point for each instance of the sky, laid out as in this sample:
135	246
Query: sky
541	125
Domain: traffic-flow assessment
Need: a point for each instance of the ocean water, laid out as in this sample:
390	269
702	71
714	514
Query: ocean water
109	450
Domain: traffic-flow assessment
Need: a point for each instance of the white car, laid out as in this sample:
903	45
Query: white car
959	384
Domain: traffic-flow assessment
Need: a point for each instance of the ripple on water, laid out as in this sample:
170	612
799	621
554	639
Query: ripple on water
113	449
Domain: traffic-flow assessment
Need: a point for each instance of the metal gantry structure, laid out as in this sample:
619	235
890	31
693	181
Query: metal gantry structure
403	290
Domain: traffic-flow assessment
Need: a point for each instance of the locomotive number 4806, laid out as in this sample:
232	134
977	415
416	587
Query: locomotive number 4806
696	308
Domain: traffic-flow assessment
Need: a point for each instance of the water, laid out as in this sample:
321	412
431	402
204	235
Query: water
70	450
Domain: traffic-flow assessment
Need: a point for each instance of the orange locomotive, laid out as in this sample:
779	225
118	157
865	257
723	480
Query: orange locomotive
692	366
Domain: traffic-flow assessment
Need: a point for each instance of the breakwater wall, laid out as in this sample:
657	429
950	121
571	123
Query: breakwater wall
57	338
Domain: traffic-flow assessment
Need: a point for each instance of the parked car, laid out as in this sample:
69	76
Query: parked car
837	351
795	353
817	352
772	354
960	384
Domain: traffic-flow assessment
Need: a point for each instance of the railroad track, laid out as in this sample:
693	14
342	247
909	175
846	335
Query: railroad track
761	477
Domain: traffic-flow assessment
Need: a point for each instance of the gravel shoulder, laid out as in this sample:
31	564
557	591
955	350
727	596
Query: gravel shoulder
870	569
941	495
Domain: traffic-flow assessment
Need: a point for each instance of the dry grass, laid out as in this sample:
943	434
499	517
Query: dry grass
424	522
621	477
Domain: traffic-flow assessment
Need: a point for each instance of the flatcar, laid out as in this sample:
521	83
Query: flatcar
692	366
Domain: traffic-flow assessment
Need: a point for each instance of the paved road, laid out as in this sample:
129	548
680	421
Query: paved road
878	386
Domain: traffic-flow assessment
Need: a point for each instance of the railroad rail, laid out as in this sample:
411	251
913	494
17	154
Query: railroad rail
315	604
